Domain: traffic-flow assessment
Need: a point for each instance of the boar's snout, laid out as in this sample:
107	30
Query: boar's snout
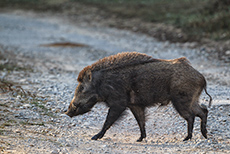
82	107
70	115
72	110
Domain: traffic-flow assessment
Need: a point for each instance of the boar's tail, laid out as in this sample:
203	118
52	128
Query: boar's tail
210	101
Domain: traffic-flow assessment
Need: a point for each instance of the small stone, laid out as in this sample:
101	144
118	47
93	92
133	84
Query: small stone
49	103
63	115
27	106
67	145
104	146
55	152
18	97
35	108
227	52
17	131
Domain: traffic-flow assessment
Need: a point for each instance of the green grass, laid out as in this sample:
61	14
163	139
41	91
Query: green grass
41	106
11	67
197	18
44	110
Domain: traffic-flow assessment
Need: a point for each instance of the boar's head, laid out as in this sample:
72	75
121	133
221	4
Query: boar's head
85	96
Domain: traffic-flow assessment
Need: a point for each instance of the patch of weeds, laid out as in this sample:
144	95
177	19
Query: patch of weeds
35	103
43	107
50	114
44	110
208	18
8	61
38	5
11	121
16	3
11	67
7	86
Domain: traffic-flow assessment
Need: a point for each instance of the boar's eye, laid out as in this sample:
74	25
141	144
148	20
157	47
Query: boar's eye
81	88
75	106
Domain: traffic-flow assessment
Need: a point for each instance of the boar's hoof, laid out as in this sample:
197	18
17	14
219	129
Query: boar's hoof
94	137
98	136
204	133
140	139
187	138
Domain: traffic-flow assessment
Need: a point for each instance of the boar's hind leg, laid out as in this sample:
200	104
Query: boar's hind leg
182	105
202	112
139	114
114	113
190	121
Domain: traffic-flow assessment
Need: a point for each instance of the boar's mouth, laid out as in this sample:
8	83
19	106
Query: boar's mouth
82	108
78	111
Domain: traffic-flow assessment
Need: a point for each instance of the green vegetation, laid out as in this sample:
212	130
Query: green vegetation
43	109
196	18
10	67
37	104
206	18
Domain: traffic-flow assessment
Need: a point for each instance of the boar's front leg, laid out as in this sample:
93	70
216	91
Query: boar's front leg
114	113
139	114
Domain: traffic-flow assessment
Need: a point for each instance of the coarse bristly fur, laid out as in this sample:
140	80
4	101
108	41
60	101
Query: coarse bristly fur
136	81
117	61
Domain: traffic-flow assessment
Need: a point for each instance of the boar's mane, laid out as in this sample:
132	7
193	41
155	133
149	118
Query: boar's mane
121	60
116	61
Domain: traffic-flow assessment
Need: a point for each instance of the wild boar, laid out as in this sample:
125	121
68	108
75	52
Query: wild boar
136	81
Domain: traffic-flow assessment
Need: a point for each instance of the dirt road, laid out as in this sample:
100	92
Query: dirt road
52	50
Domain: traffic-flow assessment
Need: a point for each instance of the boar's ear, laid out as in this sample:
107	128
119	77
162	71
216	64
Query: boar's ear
89	76
92	76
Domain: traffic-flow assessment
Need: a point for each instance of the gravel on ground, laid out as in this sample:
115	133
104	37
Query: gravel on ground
52	51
